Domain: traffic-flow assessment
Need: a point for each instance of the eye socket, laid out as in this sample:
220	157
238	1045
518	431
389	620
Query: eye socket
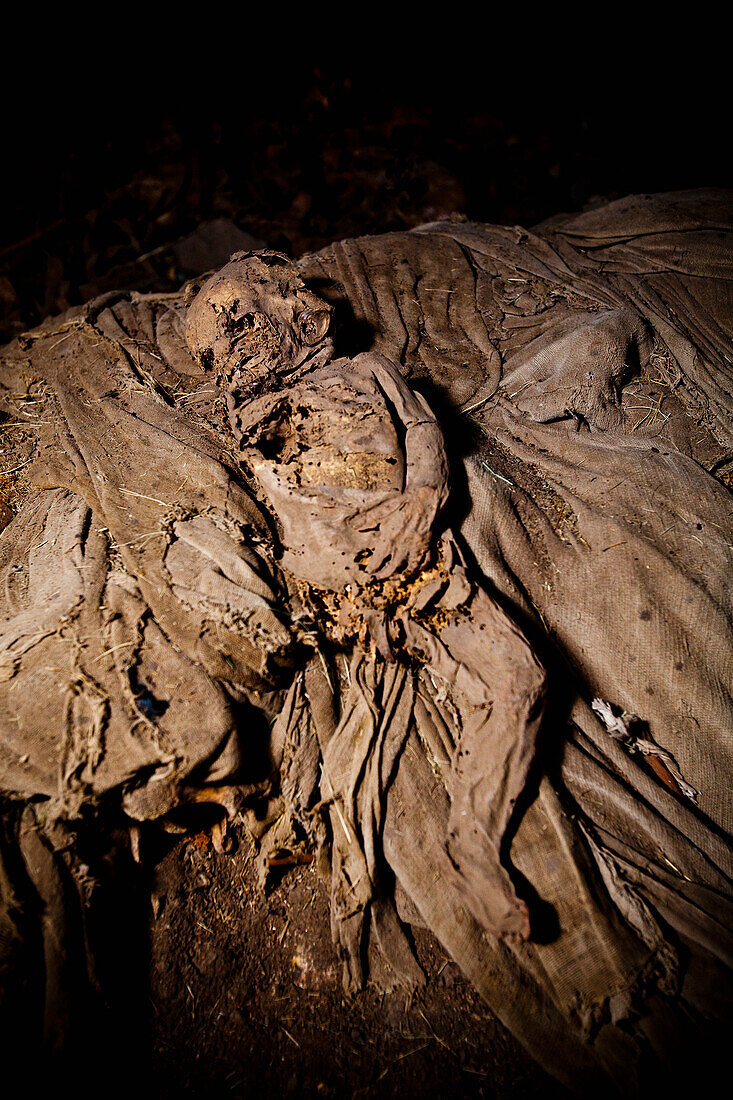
240	326
313	324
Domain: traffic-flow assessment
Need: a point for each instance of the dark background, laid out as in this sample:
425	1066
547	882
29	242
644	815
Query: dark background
97	189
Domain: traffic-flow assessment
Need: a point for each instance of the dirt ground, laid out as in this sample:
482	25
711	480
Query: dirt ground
216	987
253	979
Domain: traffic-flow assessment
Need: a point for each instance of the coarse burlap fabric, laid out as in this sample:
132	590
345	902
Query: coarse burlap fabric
419	499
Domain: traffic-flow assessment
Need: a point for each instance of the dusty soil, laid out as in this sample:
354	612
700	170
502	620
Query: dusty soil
245	992
212	986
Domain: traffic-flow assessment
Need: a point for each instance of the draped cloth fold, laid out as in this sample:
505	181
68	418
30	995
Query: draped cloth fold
419	565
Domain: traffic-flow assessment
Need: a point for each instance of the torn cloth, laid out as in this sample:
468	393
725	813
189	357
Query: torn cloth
524	465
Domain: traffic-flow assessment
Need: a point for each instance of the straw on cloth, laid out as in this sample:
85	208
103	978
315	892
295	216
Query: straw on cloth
450	509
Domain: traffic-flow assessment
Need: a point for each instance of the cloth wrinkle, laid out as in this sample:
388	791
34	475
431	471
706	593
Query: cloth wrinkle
475	581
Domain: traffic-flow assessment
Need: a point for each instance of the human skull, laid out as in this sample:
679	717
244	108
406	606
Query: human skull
255	320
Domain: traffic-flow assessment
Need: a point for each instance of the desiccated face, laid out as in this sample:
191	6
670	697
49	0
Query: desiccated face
255	319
